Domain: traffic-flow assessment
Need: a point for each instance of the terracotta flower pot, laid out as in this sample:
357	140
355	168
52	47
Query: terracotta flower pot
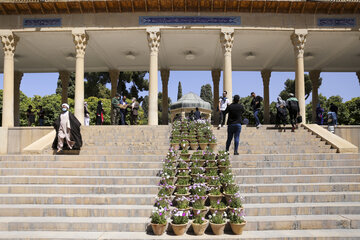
215	197
194	146
185	156
203	146
175	146
199	229
158	229
237	228
220	210
218	229
213	146
203	212
179	229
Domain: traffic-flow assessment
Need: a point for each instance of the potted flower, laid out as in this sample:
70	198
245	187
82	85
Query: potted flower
230	190
198	178
185	155
215	194
211	165
226	179
203	143
158	221
182	203
182	191
163	203
182	183
183	165
199	224
194	145
218	222
213	181
183	174
212	142
217	206
235	201
199	189
184	144
175	143
237	221
196	170
180	221
198	205
224	163
165	190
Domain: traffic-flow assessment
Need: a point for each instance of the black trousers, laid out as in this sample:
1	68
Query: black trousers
222	118
293	115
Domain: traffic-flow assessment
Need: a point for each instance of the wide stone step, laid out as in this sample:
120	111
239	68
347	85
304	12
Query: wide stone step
91	224
90	151
295	157
269	150
79	171
82	199
78	164
300	187
84	158
332	208
296	170
301	197
295	222
77	189
334	234
50	210
104	180
298	178
290	163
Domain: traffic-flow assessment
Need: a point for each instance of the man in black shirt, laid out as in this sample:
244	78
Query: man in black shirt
235	111
255	104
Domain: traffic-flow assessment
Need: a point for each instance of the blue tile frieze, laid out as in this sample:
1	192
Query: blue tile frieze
171	20
43	22
336	22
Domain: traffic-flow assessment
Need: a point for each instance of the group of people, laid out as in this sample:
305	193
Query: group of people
120	109
331	117
99	114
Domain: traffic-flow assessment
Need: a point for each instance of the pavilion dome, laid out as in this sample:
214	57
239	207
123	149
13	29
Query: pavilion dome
190	100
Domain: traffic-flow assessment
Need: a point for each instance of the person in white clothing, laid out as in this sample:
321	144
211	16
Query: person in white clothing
223	104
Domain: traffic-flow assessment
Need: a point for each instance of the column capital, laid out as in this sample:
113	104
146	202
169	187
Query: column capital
9	41
80	39
298	39
165	74
153	36
314	77
227	39
266	74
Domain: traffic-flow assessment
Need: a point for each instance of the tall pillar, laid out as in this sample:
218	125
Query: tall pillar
227	40
298	39
80	40
165	73
17	81
266	74
114	77
314	77
64	78
153	35
216	79
9	41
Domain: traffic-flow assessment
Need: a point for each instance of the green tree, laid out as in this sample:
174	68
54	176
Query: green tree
145	107
206	94
71	88
290	87
353	108
179	95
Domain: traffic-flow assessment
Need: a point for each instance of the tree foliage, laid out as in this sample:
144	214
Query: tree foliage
206	94
145	107
179	94
290	87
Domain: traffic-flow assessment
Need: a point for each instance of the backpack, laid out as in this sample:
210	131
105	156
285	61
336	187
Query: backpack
293	105
330	118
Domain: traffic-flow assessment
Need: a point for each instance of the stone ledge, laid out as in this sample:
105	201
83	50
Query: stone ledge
335	141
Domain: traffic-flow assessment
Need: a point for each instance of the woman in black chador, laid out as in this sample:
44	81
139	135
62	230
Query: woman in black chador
67	128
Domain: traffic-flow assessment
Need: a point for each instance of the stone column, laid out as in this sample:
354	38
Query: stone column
153	35
227	41
216	79
65	78
165	73
314	77
9	41
114	77
80	40
266	74
17	81
298	39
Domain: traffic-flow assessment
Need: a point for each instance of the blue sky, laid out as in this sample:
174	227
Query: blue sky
343	84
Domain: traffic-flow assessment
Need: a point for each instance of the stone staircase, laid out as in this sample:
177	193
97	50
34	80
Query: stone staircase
294	186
